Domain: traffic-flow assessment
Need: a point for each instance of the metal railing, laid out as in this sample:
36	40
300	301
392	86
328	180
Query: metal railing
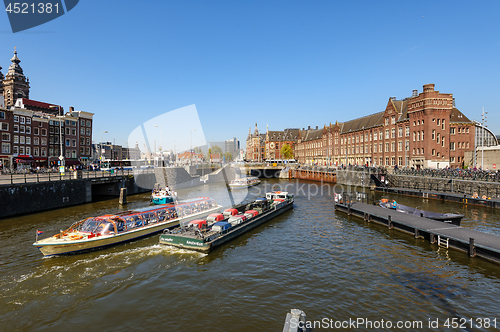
7	178
450	173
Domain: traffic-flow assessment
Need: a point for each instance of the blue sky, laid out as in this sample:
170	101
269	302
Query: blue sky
277	63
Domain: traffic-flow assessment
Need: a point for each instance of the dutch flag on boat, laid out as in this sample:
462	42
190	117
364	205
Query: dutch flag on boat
39	232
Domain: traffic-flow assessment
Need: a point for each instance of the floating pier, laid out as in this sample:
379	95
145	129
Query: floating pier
474	243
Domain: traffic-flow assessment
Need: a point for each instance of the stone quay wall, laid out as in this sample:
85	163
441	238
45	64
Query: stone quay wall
354	178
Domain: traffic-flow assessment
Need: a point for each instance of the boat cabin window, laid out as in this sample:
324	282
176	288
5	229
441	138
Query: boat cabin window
105	228
102	226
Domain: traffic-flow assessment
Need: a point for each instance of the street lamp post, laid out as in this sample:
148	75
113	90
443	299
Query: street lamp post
61	156
100	149
161	147
483	125
191	146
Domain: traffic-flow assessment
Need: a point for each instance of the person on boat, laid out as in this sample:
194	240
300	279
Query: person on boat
475	195
394	204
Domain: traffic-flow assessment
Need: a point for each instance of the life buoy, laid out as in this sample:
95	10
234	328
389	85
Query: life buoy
76	237
384	200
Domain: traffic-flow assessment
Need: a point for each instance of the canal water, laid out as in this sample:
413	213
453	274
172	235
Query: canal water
333	267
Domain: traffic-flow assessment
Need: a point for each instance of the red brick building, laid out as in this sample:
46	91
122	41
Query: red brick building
32	131
261	147
424	130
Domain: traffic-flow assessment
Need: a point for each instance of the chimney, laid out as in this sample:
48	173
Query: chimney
414	93
308	127
316	127
393	98
71	109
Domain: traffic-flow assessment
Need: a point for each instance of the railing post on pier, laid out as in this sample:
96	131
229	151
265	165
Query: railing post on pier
24	177
37	177
472	248
11	179
389	222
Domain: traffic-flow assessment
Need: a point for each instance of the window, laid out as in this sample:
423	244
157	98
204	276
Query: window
88	151
73	123
442	124
67	122
414	136
44	141
16	128
88	141
67	142
467	130
88	132
467	145
36	140
393	161
21	139
400	146
442	141
375	136
82	123
380	147
422	150
433	152
82	131
6	137
16	139
36	131
407	131
2	115
73	154
437	138
28	140
452	146
73	132
44	132
433	134
422	135
400	161
15	149
73	142
44	152
414	123
28	150
386	121
23	129
422	122
16	118
387	133
21	150
407	142
438	121
68	131
418	136
452	159
28	120
400	132
393	146
386	147
418	150
375	148
387	161
393	133
5	126
88	123
5	147
28	130
35	151
393	119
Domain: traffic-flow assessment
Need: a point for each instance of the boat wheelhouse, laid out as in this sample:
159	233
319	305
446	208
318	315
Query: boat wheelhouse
96	232
163	196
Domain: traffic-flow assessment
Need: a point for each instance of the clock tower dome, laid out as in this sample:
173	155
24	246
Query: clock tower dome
15	84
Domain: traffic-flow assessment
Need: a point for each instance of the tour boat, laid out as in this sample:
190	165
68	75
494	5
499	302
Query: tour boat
96	232
206	234
163	196
452	218
244	182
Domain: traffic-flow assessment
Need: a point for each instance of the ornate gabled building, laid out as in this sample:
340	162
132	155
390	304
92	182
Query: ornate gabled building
261	147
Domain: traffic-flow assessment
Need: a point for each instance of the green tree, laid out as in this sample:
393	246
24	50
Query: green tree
286	151
215	149
228	156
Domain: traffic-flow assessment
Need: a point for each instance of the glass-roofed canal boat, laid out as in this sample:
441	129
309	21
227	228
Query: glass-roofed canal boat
97	232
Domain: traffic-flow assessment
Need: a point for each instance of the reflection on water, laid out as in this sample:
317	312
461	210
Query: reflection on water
327	264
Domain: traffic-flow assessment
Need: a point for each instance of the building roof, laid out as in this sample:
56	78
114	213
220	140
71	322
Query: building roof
40	104
368	121
458	117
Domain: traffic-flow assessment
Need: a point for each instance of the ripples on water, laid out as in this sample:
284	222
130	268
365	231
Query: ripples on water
325	263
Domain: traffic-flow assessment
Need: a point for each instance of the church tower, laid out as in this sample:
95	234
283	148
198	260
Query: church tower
15	84
1	88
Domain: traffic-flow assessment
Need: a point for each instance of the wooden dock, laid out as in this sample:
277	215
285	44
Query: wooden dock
474	243
444	196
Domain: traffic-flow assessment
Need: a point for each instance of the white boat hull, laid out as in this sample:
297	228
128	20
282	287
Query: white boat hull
56	246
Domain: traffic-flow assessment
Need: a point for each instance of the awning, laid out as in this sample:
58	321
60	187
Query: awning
71	162
5	156
21	160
